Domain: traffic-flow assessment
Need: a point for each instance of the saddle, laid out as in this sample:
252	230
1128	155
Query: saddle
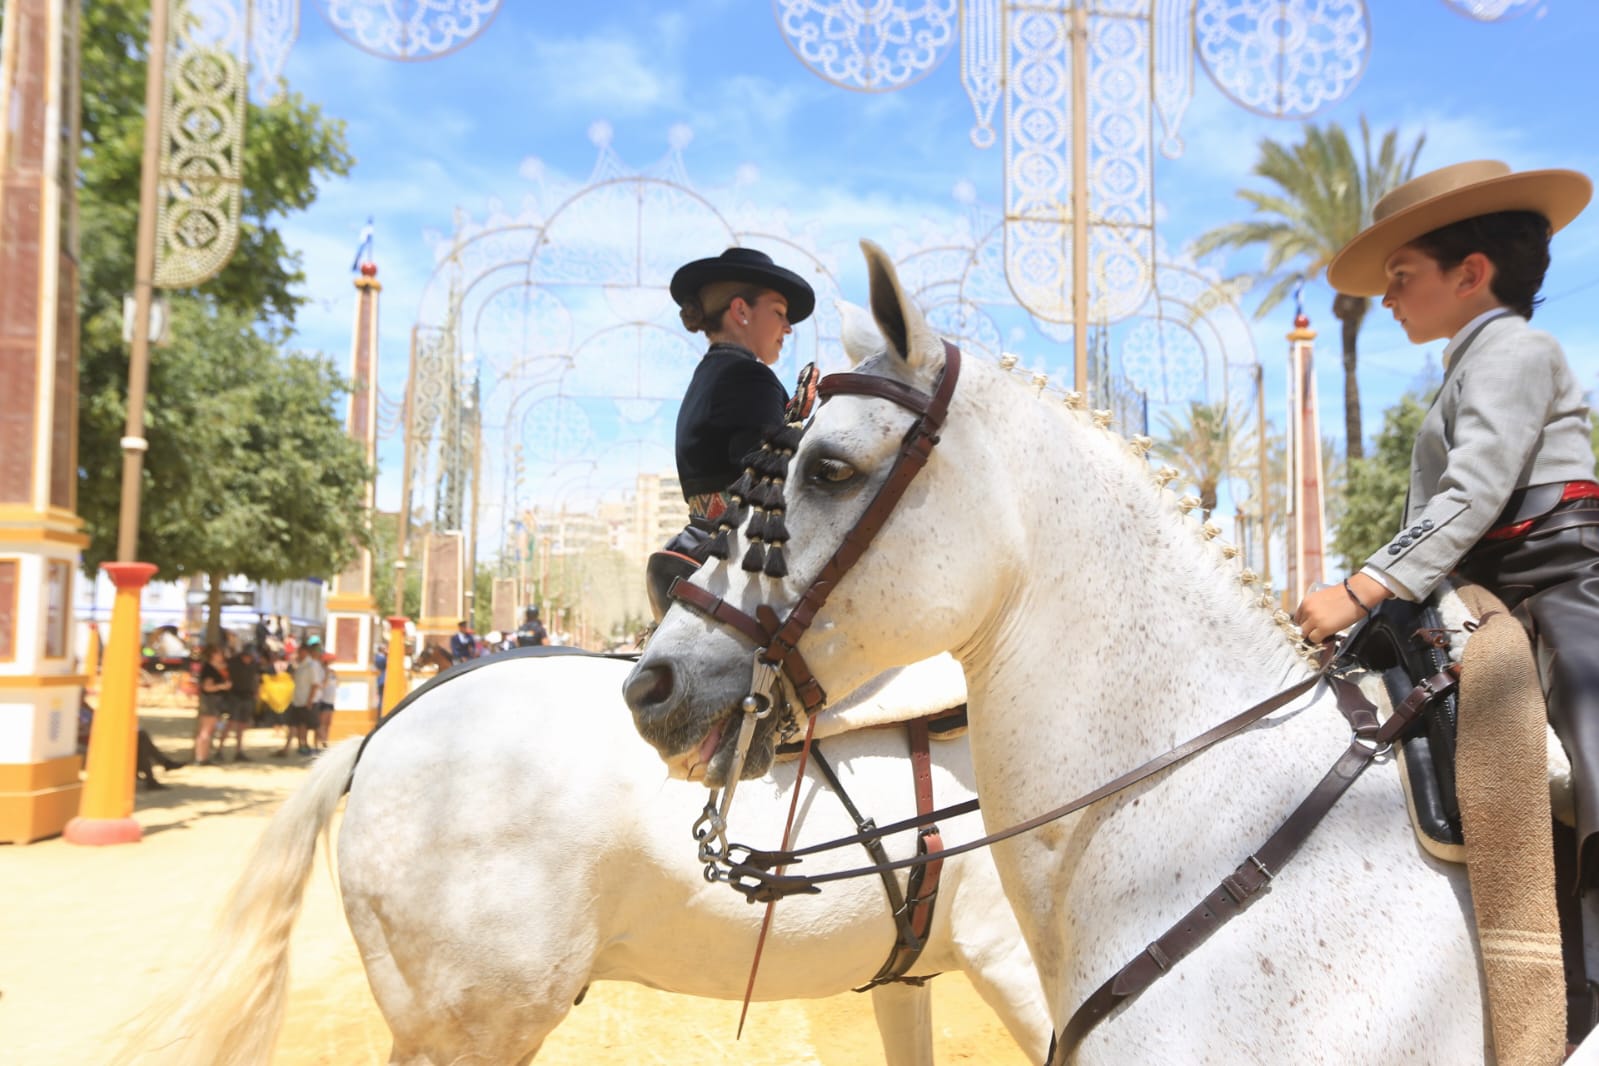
678	558
1407	644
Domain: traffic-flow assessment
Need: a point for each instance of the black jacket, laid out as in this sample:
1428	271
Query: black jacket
731	405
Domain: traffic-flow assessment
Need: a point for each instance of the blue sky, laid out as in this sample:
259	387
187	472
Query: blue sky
505	130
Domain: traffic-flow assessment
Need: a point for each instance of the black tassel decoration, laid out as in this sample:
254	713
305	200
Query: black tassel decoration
741	488
718	546
756	530
787	439
755	558
776	566
734	516
774	530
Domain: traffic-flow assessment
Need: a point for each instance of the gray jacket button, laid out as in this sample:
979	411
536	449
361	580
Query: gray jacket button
1394	549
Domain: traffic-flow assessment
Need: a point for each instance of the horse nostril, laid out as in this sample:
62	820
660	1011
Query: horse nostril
649	687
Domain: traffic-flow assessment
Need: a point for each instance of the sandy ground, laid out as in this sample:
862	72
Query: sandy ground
87	935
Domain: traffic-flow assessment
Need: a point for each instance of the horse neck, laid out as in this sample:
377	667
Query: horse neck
1118	607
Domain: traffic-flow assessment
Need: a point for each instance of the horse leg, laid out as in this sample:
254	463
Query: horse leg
454	997
988	945
905	1022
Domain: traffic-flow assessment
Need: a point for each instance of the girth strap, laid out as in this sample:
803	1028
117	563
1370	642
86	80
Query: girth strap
913	910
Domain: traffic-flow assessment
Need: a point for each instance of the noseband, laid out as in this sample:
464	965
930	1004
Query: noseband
777	642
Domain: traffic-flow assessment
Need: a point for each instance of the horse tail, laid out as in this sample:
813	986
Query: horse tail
227	1012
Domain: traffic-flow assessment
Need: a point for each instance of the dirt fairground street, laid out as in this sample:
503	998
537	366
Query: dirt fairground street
89	934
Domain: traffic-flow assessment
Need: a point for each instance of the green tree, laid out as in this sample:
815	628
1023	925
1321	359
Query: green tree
1209	445
1322	198
1375	486
289	147
248	469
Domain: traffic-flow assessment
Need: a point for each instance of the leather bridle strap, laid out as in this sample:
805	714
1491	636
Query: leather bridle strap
1239	889
806	688
914	451
778	643
753	876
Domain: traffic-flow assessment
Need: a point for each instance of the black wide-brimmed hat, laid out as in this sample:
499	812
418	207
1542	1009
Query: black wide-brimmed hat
745	264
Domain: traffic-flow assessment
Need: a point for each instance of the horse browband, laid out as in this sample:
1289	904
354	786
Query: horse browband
777	643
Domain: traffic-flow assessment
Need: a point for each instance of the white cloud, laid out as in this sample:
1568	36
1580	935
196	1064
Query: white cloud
612	73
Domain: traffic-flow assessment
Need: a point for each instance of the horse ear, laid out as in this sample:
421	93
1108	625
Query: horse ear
901	322
858	332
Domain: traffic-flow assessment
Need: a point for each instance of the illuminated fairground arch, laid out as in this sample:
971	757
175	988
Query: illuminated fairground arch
1187	341
554	329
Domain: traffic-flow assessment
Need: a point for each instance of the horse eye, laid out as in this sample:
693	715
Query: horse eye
830	471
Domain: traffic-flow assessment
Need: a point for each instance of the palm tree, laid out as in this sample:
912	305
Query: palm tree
1211	444
1323	198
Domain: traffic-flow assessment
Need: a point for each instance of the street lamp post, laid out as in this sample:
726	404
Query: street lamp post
106	813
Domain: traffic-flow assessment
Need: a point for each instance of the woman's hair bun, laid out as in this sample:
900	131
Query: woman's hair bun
693	316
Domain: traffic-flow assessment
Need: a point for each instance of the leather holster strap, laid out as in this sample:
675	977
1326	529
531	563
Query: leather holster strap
1427	690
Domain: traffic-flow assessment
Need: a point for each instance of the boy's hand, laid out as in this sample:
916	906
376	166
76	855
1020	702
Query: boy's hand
1328	611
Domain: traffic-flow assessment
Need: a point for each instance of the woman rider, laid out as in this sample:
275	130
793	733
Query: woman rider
745	304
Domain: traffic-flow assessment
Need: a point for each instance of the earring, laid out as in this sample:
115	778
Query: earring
744	321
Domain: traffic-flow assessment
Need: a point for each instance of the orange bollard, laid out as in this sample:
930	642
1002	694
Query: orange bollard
395	682
105	815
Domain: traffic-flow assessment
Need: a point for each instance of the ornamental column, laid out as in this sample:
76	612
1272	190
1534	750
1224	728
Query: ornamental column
40	533
443	586
1306	504
351	608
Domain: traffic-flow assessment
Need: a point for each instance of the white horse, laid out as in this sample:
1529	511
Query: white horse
1098	627
508	840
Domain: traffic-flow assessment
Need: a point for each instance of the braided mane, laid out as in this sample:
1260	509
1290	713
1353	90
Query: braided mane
1226	556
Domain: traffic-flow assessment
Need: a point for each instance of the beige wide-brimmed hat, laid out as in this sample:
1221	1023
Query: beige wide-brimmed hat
1447	195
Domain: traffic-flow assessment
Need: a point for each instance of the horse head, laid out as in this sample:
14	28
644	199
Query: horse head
911	596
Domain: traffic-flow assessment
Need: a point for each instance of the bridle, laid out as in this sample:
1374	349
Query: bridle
777	641
777	652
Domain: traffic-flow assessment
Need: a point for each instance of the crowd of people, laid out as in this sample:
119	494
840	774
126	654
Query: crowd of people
242	685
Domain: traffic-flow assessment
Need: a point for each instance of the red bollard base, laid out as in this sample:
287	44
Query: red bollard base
96	831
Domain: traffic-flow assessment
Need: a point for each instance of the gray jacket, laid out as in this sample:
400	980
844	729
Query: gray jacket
1508	415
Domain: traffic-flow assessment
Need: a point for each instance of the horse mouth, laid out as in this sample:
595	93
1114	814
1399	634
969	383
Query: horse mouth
694	763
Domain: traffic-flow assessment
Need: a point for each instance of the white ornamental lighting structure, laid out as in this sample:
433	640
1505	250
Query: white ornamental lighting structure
1084	84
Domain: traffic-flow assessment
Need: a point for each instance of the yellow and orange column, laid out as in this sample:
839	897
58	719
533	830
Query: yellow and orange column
106	816
40	533
395	679
1306	534
352	612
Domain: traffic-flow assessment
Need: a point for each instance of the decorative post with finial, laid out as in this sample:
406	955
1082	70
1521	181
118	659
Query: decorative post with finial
352	610
1306	505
